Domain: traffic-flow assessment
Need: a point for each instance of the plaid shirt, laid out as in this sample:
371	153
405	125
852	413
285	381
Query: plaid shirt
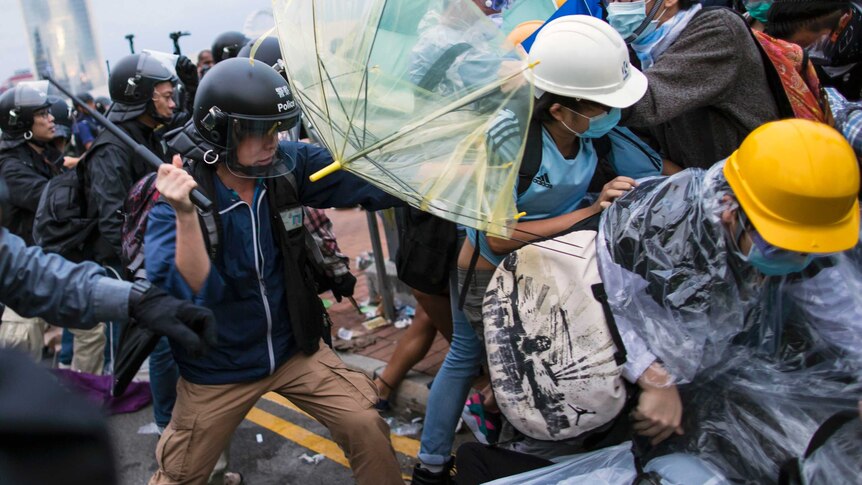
320	227
848	118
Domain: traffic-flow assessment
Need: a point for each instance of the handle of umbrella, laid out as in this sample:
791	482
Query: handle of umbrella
327	170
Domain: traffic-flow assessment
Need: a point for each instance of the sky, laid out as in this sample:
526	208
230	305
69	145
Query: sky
151	21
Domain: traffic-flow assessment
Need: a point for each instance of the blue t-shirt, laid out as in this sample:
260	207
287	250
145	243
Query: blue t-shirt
561	184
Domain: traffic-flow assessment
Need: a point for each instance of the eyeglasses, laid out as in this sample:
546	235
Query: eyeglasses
42	113
167	96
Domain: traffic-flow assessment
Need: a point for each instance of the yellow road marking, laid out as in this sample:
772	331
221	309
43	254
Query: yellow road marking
298	435
402	444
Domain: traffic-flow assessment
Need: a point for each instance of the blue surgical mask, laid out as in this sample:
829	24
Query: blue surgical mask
768	259
626	17
600	125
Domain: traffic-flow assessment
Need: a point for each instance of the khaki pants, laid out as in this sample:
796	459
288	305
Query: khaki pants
23	334
205	417
89	349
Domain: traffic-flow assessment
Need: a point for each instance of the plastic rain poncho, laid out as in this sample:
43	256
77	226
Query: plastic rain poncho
761	361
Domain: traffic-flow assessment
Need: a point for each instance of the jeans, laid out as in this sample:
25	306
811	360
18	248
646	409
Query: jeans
163	382
451	386
66	347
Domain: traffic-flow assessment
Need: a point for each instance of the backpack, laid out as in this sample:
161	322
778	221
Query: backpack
61	224
136	210
555	356
532	160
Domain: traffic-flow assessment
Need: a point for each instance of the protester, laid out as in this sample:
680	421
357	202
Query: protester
573	119
737	253
263	295
761	218
706	78
824	29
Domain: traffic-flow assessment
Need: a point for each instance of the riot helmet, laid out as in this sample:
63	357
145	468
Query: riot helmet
240	126
63	118
103	104
132	84
227	45
18	107
269	52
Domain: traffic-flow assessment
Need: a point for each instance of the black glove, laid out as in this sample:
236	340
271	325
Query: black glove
188	73
343	285
190	325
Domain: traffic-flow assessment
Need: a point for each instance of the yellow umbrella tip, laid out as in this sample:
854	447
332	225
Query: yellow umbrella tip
327	170
520	215
533	64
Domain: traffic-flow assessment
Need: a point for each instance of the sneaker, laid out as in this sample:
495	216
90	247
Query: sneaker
423	476
484	425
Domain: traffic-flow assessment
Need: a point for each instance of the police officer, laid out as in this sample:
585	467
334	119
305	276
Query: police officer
258	279
143	89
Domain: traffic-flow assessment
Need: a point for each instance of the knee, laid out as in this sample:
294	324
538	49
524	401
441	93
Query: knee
357	427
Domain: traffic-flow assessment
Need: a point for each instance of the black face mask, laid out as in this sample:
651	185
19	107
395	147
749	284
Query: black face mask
848	48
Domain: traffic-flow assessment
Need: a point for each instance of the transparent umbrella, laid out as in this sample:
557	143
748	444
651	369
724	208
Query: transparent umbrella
413	97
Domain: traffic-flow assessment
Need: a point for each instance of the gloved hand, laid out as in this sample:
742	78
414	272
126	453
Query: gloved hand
188	73
190	325
343	285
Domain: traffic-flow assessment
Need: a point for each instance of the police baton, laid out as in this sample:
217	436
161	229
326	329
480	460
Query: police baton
197	197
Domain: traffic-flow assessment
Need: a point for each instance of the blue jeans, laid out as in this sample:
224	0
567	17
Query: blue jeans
451	386
163	382
66	347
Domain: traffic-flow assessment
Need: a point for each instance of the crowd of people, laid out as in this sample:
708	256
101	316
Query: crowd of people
680	300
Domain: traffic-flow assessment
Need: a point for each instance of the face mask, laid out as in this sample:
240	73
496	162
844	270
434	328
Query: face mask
768	259
759	10
626	17
600	125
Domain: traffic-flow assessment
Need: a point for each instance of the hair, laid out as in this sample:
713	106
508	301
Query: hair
542	106
201	53
788	17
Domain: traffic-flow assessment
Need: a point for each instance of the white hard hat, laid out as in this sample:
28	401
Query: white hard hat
580	56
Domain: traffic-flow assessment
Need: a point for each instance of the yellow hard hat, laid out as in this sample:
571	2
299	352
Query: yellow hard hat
798	182
523	30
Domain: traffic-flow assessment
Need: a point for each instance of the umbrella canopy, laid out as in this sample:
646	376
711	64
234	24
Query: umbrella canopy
405	93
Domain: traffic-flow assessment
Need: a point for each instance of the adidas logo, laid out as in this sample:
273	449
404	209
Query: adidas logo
543	181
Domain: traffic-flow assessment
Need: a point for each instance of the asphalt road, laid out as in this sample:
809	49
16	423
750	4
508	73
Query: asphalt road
266	448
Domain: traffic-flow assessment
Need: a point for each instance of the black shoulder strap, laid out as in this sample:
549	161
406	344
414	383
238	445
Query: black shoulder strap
532	159
437	71
210	220
599	293
789	473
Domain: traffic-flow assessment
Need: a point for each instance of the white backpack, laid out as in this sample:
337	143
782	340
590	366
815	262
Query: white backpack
554	354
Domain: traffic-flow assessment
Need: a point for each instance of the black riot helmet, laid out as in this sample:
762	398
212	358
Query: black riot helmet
18	106
103	104
63	119
227	45
132	84
269	52
241	126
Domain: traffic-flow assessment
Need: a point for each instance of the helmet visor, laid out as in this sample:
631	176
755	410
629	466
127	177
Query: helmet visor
253	149
168	61
32	94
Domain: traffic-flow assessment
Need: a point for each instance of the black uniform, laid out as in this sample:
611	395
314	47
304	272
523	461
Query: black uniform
112	169
26	173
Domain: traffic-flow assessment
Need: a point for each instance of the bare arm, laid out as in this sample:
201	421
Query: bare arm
539	229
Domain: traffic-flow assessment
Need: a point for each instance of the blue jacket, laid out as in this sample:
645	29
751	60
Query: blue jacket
38	284
245	288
